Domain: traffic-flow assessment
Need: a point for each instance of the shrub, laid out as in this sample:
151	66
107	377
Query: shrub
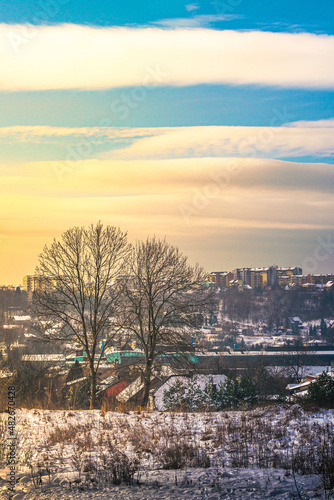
234	394
119	468
322	391
186	396
180	454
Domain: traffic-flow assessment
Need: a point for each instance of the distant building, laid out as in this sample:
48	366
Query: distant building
242	274
289	271
259	277
318	279
299	279
32	283
295	323
220	279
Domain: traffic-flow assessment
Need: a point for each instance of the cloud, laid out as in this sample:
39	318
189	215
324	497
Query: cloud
81	57
259	194
37	133
291	140
239	208
202	21
94	178
329	123
192	6
211	141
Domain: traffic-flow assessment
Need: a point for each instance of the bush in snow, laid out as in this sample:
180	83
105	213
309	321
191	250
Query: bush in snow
234	394
180	453
322	391
186	396
118	468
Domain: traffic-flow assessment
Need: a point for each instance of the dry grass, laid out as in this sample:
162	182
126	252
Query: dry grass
69	433
260	438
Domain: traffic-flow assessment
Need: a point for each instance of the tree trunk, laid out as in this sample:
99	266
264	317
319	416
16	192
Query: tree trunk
145	400
92	404
147	386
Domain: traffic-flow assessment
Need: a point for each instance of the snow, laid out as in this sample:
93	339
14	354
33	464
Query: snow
130	390
43	357
145	434
107	382
76	381
304	370
197	484
317	370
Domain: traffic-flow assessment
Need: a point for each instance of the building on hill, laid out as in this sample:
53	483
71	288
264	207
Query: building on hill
220	279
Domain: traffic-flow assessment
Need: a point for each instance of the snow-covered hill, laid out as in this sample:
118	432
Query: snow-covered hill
170	455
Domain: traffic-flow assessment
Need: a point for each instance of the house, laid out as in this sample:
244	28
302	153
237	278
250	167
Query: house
111	387
295	324
22	319
133	393
302	388
299	389
112	392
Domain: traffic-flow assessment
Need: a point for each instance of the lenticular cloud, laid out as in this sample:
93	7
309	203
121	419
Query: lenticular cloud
81	57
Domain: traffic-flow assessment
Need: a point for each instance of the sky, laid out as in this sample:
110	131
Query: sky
209	123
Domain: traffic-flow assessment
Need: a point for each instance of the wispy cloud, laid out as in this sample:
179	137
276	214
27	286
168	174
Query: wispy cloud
271	203
192	6
329	123
38	133
178	176
197	21
211	141
291	140
82	57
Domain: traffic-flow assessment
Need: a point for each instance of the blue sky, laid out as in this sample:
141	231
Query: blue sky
299	15
130	111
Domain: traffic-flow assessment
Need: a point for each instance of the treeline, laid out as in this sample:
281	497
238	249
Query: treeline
274	305
11	301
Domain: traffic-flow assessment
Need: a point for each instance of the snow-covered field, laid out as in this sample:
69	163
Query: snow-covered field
235	454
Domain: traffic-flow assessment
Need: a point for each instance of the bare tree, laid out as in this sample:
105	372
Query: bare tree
163	296
297	362
78	293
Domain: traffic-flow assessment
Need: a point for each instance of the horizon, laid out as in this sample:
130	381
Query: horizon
210	124
20	284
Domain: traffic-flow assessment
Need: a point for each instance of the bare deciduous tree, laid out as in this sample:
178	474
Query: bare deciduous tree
297	362
78	294
162	296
